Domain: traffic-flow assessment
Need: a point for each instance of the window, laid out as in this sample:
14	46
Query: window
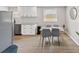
50	15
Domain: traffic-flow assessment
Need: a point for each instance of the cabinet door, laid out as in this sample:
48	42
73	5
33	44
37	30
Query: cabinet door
17	29
28	11
28	30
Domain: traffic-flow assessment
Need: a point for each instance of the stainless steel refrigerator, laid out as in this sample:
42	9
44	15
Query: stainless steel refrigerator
6	30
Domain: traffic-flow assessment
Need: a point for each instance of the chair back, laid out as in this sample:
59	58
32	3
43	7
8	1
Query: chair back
46	33
55	32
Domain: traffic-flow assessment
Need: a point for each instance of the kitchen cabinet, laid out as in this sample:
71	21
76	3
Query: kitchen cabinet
28	11
17	29
28	29
3	8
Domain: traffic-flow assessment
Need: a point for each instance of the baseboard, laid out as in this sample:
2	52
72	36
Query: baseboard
72	38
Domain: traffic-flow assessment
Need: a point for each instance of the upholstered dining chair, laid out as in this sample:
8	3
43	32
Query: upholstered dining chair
55	33
45	34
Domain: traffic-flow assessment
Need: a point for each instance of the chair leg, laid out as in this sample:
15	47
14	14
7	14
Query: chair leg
58	41
42	41
40	37
49	39
52	40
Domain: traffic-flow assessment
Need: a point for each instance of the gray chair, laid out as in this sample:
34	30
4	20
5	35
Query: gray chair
48	26
46	34
55	25
55	33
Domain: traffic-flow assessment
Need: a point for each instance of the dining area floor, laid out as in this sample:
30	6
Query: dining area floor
33	44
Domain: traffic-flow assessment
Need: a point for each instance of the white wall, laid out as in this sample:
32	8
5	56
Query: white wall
72	25
61	12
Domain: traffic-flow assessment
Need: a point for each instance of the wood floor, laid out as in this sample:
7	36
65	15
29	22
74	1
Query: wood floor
32	44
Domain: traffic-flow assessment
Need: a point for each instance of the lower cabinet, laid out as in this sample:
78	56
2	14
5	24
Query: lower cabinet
17	29
28	29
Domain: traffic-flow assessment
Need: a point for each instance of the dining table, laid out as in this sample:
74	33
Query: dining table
60	28
45	27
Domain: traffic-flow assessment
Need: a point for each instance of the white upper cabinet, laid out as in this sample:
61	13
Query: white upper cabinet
5	8
28	11
15	11
23	11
